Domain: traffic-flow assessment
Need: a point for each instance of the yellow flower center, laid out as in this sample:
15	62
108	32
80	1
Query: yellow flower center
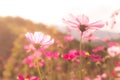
87	54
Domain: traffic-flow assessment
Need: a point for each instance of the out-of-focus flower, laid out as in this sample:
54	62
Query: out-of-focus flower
115	13
99	48
104	75
48	55
81	23
39	39
21	77
106	39
110	44
117	68
113	73
54	55
74	55
117	63
68	38
29	48
58	68
73	79
100	77
113	51
96	57
86	78
112	21
71	55
30	61
89	36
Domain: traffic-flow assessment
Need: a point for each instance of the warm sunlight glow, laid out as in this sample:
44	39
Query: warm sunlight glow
52	11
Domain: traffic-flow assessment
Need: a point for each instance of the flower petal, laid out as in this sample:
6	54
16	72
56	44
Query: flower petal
20	77
83	19
38	36
97	24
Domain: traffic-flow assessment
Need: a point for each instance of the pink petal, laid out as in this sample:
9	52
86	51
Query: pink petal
97	24
29	36
83	19
34	78
28	76
38	36
48	43
71	23
46	39
20	77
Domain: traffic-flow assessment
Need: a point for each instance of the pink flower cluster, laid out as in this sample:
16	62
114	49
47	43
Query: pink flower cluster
73	54
30	61
96	57
38	42
68	38
51	55
21	77
98	77
99	48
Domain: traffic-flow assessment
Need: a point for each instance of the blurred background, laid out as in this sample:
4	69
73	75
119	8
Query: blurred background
20	16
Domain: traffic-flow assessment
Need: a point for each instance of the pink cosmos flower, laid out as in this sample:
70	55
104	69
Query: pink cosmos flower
39	39
110	44
113	73
66	56
106	39
86	78
81	23
113	51
29	48
48	55
73	54
30	61
68	38
20	77
51	55
104	75
56	55
100	77
96	57
117	63
117	68
99	48
73	79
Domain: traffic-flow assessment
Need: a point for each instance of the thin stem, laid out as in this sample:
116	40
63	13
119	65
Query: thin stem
25	69
80	57
38	69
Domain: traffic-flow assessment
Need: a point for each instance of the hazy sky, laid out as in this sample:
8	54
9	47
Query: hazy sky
52	11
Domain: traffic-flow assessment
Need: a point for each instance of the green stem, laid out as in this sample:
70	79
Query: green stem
38	69
80	57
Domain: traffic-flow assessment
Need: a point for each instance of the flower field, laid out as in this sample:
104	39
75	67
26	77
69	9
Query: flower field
32	51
